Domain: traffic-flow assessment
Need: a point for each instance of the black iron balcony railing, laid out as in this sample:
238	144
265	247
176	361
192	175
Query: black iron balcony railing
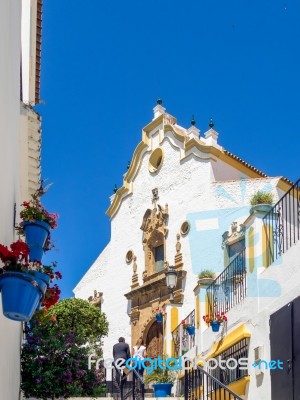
200	385
183	342
282	224
229	288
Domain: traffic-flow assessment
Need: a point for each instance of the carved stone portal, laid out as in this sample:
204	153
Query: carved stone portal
154	235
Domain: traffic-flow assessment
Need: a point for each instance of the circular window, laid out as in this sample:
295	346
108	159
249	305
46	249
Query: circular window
185	228
129	256
156	160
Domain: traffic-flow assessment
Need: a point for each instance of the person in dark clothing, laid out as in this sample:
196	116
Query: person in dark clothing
121	351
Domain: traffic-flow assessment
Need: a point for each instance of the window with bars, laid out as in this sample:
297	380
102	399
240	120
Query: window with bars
232	369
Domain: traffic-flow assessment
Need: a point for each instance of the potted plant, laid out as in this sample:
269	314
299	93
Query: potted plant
215	320
159	314
36	225
206	277
190	328
24	284
163	381
261	201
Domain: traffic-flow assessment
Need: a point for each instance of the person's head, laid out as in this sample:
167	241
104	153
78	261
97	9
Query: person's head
121	339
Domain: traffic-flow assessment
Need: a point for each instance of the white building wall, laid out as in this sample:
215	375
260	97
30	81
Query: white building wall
185	183
10	331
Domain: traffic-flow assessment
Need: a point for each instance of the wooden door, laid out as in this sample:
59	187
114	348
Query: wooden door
154	341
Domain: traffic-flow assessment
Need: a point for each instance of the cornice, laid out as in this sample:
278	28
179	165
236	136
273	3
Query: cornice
188	146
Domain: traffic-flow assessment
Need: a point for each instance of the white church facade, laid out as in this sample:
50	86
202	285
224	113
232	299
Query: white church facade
185	202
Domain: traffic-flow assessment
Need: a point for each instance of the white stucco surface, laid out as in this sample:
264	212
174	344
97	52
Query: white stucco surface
187	184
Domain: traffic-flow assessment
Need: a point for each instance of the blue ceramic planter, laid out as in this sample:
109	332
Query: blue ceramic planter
159	318
190	330
20	296
215	326
43	280
162	389
35	235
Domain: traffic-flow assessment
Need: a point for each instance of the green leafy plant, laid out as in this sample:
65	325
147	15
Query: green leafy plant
261	198
206	273
58	342
161	376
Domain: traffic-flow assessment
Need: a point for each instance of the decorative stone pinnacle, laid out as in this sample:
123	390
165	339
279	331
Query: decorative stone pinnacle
193	122
115	188
128	165
211	123
159	101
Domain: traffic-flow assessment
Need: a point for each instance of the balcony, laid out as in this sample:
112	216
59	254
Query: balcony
229	288
182	341
282	224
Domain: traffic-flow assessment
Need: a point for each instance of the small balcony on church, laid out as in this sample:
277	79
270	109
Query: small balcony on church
182	340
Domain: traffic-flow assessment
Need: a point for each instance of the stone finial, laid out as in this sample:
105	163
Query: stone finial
135	278
178	244
193	132
211	136
97	299
128	165
115	188
158	109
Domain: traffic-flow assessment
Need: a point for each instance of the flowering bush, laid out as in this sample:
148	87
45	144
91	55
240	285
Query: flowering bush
57	344
215	318
16	259
185	324
159	312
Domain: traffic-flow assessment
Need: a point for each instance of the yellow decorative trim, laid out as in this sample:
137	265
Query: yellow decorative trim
174	318
229	340
284	184
251	249
124	190
239	387
197	312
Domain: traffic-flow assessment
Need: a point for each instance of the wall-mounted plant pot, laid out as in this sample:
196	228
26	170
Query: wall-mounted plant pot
43	280
262	208
215	326
190	330
205	281
21	295
162	389
159	318
36	234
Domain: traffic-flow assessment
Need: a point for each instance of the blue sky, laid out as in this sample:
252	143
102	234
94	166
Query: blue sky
104	64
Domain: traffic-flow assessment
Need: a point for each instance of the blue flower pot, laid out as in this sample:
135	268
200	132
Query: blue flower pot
215	326
190	330
159	318
20	296
162	389
43	280
36	234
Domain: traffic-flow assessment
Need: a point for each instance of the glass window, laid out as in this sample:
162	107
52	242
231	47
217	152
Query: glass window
159	258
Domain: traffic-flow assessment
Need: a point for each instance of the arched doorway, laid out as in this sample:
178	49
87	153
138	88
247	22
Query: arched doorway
154	340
